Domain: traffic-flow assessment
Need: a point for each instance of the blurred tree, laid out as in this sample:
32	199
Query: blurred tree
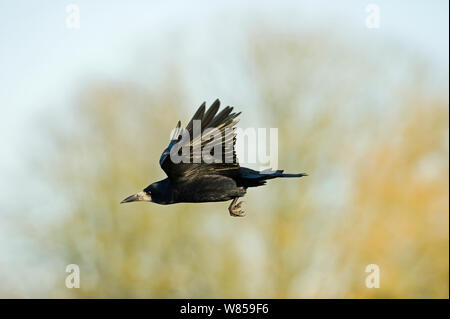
377	191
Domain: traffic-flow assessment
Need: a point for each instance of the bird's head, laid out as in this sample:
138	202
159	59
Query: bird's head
143	196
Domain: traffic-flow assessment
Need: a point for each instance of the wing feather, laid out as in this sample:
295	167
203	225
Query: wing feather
221	123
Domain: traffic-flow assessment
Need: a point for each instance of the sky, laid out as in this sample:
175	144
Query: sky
44	64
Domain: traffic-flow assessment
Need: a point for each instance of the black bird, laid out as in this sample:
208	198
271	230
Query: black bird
198	179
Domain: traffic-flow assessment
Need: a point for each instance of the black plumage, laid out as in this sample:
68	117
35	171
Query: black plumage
199	179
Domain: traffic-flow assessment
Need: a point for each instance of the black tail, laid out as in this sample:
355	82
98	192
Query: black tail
292	175
255	178
278	173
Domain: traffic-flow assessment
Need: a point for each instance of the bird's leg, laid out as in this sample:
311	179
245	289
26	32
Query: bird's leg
234	208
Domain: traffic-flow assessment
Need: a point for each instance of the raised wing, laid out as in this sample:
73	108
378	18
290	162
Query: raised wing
205	146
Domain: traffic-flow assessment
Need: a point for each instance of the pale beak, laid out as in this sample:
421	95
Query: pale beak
129	199
141	196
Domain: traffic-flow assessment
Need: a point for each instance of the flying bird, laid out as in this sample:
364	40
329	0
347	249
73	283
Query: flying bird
198	178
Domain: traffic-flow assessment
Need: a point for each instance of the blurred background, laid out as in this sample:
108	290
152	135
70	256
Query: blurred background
359	96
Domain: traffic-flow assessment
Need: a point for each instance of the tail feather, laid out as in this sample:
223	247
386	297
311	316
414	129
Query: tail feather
279	173
266	174
293	175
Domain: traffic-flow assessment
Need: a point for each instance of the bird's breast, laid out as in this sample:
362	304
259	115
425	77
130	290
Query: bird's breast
207	188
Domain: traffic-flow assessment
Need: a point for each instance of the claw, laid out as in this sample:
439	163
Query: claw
238	205
238	214
235	211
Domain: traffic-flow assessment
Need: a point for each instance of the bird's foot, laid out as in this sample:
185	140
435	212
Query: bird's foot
235	210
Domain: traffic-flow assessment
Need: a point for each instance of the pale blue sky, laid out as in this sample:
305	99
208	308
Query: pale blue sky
44	64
